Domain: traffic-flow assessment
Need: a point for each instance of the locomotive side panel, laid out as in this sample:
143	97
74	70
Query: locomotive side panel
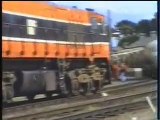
33	82
50	78
70	33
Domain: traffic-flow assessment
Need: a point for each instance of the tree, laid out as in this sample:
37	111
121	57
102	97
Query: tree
155	15
128	40
126	22
143	26
153	23
126	27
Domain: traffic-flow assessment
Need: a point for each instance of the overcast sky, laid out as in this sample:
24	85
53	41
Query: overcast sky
120	10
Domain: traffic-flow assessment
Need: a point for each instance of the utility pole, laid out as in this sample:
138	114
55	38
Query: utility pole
109	35
109	31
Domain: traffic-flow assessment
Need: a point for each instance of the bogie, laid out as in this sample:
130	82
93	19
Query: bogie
63	81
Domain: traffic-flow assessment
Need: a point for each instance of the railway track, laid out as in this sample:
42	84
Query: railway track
135	112
100	113
79	110
143	83
110	90
60	99
52	108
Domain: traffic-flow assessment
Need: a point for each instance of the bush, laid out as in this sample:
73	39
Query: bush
143	61
128	40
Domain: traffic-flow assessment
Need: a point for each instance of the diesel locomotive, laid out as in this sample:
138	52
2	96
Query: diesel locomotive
50	49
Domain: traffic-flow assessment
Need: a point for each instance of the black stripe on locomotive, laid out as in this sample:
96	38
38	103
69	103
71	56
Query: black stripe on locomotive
15	26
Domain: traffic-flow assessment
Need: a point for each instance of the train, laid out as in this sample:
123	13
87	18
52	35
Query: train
50	49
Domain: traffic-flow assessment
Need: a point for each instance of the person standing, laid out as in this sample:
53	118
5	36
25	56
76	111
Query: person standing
115	71
123	72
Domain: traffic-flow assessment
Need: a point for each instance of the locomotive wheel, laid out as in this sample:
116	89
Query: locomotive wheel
49	94
62	94
84	87
84	93
94	91
96	86
30	97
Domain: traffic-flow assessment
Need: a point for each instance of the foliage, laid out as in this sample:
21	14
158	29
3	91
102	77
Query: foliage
127	27
125	22
128	40
153	24
144	61
143	26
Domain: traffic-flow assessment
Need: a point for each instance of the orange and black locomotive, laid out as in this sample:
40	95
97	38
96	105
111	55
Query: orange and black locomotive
51	49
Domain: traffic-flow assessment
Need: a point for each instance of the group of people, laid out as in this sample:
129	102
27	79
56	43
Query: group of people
119	71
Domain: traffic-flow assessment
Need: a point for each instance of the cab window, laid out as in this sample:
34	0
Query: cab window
31	26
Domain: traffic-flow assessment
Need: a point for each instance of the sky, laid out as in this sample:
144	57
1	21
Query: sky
119	10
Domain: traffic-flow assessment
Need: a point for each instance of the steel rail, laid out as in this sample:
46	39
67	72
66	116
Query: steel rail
112	91
78	106
104	112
